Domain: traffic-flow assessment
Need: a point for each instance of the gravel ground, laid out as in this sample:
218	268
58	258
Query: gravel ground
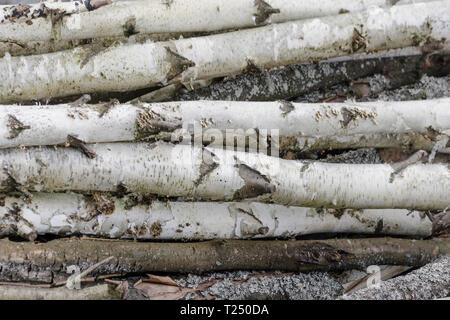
426	88
241	285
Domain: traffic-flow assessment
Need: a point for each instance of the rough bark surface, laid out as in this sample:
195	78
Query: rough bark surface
128	67
44	261
103	215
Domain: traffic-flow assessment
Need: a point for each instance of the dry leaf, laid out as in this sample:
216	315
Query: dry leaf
160	279
158	291
386	273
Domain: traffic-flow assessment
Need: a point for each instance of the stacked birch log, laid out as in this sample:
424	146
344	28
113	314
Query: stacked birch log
188	129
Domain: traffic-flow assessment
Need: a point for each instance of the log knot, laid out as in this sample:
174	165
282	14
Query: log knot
104	203
320	254
15	127
149	123
209	164
286	107
178	64
264	11
255	183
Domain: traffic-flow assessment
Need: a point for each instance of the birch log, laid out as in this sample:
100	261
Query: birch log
129	67
106	216
125	18
216	174
300	126
48	261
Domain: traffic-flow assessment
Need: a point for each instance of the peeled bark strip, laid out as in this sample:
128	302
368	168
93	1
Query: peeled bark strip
402	66
429	282
129	67
98	292
46	261
216	174
68	214
127	18
301	126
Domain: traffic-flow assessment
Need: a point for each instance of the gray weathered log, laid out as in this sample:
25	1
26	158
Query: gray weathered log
401	66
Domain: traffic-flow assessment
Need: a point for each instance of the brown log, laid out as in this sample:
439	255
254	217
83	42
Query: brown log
43	262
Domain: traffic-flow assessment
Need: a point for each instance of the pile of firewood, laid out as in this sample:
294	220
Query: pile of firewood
175	120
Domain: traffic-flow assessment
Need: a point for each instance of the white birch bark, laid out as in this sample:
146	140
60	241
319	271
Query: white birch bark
128	67
174	16
110	217
301	126
216	174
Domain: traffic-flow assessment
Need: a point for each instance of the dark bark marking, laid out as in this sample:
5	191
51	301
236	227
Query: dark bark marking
359	41
379	227
129	28
208	165
305	166
104	203
121	190
256	184
178	64
347	115
252	69
320	254
156	229
11	221
12	185
441	224
15	126
338	213
77	143
286	107
150	123
261	230
264	11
